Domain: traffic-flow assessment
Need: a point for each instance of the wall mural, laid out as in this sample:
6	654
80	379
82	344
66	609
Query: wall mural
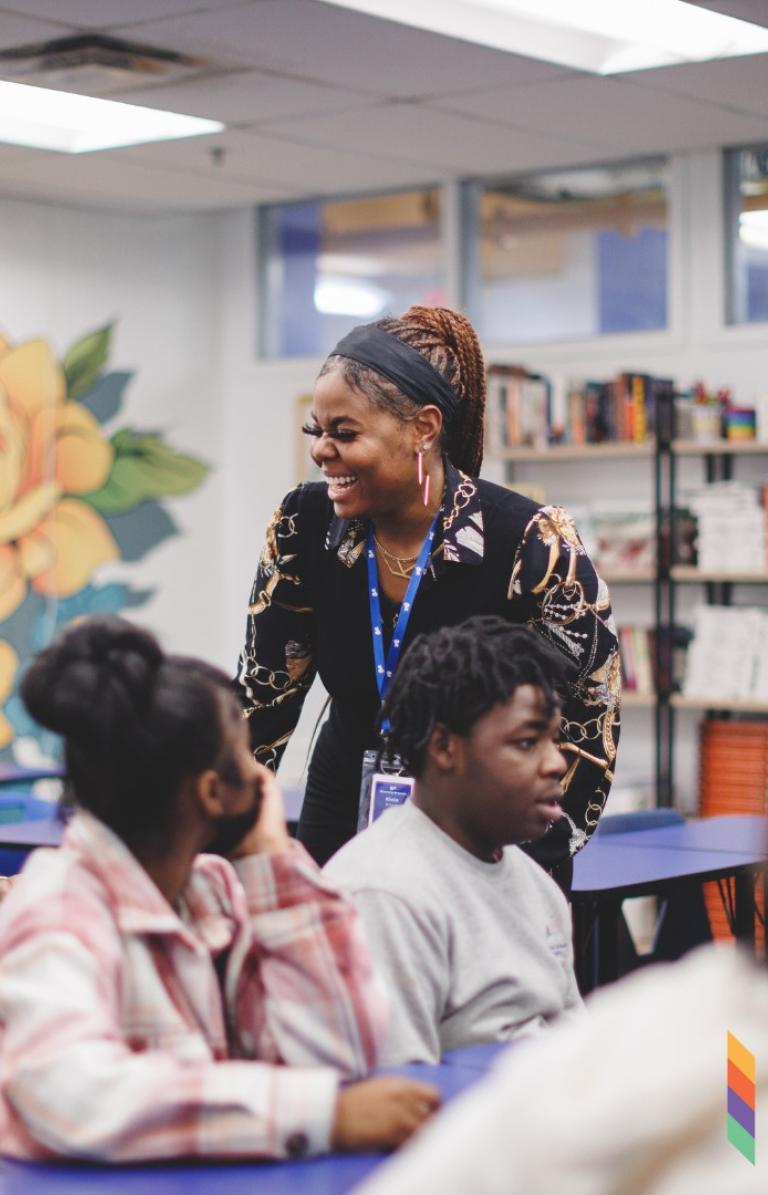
72	499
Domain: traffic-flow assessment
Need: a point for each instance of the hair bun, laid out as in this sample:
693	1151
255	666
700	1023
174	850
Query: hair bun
98	669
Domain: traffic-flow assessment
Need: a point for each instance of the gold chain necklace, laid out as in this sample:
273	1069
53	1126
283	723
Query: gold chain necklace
399	566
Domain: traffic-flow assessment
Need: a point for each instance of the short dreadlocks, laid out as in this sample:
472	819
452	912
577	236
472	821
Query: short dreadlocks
455	675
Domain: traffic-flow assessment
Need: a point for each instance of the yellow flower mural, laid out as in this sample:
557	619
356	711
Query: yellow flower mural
51	451
71	498
9	663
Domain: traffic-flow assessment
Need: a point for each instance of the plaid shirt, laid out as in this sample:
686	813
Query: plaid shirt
129	1028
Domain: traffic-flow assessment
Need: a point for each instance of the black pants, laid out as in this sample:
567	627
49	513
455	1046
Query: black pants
329	813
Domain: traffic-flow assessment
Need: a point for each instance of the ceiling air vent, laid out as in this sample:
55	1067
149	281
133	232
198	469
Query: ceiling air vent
95	65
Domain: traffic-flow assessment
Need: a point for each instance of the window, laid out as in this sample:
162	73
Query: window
571	254
746	174
329	265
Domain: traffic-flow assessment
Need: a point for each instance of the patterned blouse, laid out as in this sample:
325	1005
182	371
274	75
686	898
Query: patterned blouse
496	552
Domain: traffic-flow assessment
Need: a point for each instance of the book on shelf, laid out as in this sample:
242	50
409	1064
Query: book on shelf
731	531
527	411
636	653
624	538
726	658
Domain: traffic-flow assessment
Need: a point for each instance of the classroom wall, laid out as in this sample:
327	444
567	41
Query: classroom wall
697	345
183	292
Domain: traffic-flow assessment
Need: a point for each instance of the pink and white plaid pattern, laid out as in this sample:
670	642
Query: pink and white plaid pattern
130	1030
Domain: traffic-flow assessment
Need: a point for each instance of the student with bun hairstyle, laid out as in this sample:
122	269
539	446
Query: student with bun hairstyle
397	427
157	1002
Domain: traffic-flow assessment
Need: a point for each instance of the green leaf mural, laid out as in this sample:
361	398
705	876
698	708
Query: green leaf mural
144	467
85	360
105	398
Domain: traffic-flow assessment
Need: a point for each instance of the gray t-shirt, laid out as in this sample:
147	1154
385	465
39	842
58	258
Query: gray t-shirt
469	951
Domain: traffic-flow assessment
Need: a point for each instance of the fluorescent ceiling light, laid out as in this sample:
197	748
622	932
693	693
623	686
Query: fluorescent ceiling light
77	124
602	36
753	229
336	296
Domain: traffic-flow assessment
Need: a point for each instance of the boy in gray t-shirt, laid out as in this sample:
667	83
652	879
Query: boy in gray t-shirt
472	938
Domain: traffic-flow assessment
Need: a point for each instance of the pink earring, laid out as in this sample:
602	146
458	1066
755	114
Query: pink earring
423	476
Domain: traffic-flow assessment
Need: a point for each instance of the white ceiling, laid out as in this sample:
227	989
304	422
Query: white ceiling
319	100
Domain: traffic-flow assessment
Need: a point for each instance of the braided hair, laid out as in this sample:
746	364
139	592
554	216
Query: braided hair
450	344
454	676
135	722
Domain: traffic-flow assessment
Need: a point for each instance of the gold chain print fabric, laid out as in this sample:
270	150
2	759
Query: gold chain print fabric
571	609
276	669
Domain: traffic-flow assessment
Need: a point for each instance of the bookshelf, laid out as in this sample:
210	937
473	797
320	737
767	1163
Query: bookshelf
719	459
682	701
613	576
577	452
609	426
719	448
690	574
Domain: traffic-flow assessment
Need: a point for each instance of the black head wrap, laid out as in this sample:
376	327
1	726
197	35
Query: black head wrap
410	371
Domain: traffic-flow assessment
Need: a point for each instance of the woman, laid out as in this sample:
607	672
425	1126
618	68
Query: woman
397	428
156	1002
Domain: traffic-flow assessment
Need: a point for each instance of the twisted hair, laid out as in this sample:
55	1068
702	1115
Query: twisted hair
134	721
450	344
453	676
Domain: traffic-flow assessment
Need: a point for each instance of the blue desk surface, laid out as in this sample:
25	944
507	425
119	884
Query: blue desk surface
31	834
731	832
332	1175
12	773
628	869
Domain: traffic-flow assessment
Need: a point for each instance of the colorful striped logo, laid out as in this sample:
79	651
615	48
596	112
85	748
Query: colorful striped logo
741	1098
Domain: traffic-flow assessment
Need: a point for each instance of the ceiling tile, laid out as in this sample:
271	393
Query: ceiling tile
319	42
108	181
452	143
730	82
17	29
618	115
246	97
755	11
272	159
101	14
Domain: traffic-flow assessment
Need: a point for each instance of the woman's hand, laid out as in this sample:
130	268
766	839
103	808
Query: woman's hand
269	833
381	1113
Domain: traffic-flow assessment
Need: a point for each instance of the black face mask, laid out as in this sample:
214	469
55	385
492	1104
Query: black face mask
232	829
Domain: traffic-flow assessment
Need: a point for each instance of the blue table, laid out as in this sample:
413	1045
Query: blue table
729	832
331	1175
28	835
12	773
658	862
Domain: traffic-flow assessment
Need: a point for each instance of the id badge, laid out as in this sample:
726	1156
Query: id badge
383	783
386	792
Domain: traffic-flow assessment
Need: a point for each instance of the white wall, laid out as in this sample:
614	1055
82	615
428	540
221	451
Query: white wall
65	272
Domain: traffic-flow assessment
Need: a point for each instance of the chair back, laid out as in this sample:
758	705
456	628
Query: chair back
643	819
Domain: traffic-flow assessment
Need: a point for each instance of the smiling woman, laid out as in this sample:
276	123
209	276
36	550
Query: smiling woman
401	538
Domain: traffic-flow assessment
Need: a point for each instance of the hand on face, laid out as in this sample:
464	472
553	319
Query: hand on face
268	835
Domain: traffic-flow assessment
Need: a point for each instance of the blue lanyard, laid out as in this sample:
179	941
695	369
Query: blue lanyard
385	670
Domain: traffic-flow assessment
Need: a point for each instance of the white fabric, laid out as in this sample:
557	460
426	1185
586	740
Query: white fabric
632	1101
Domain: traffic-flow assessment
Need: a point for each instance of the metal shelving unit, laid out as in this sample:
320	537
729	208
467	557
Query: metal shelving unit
719	457
664	451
